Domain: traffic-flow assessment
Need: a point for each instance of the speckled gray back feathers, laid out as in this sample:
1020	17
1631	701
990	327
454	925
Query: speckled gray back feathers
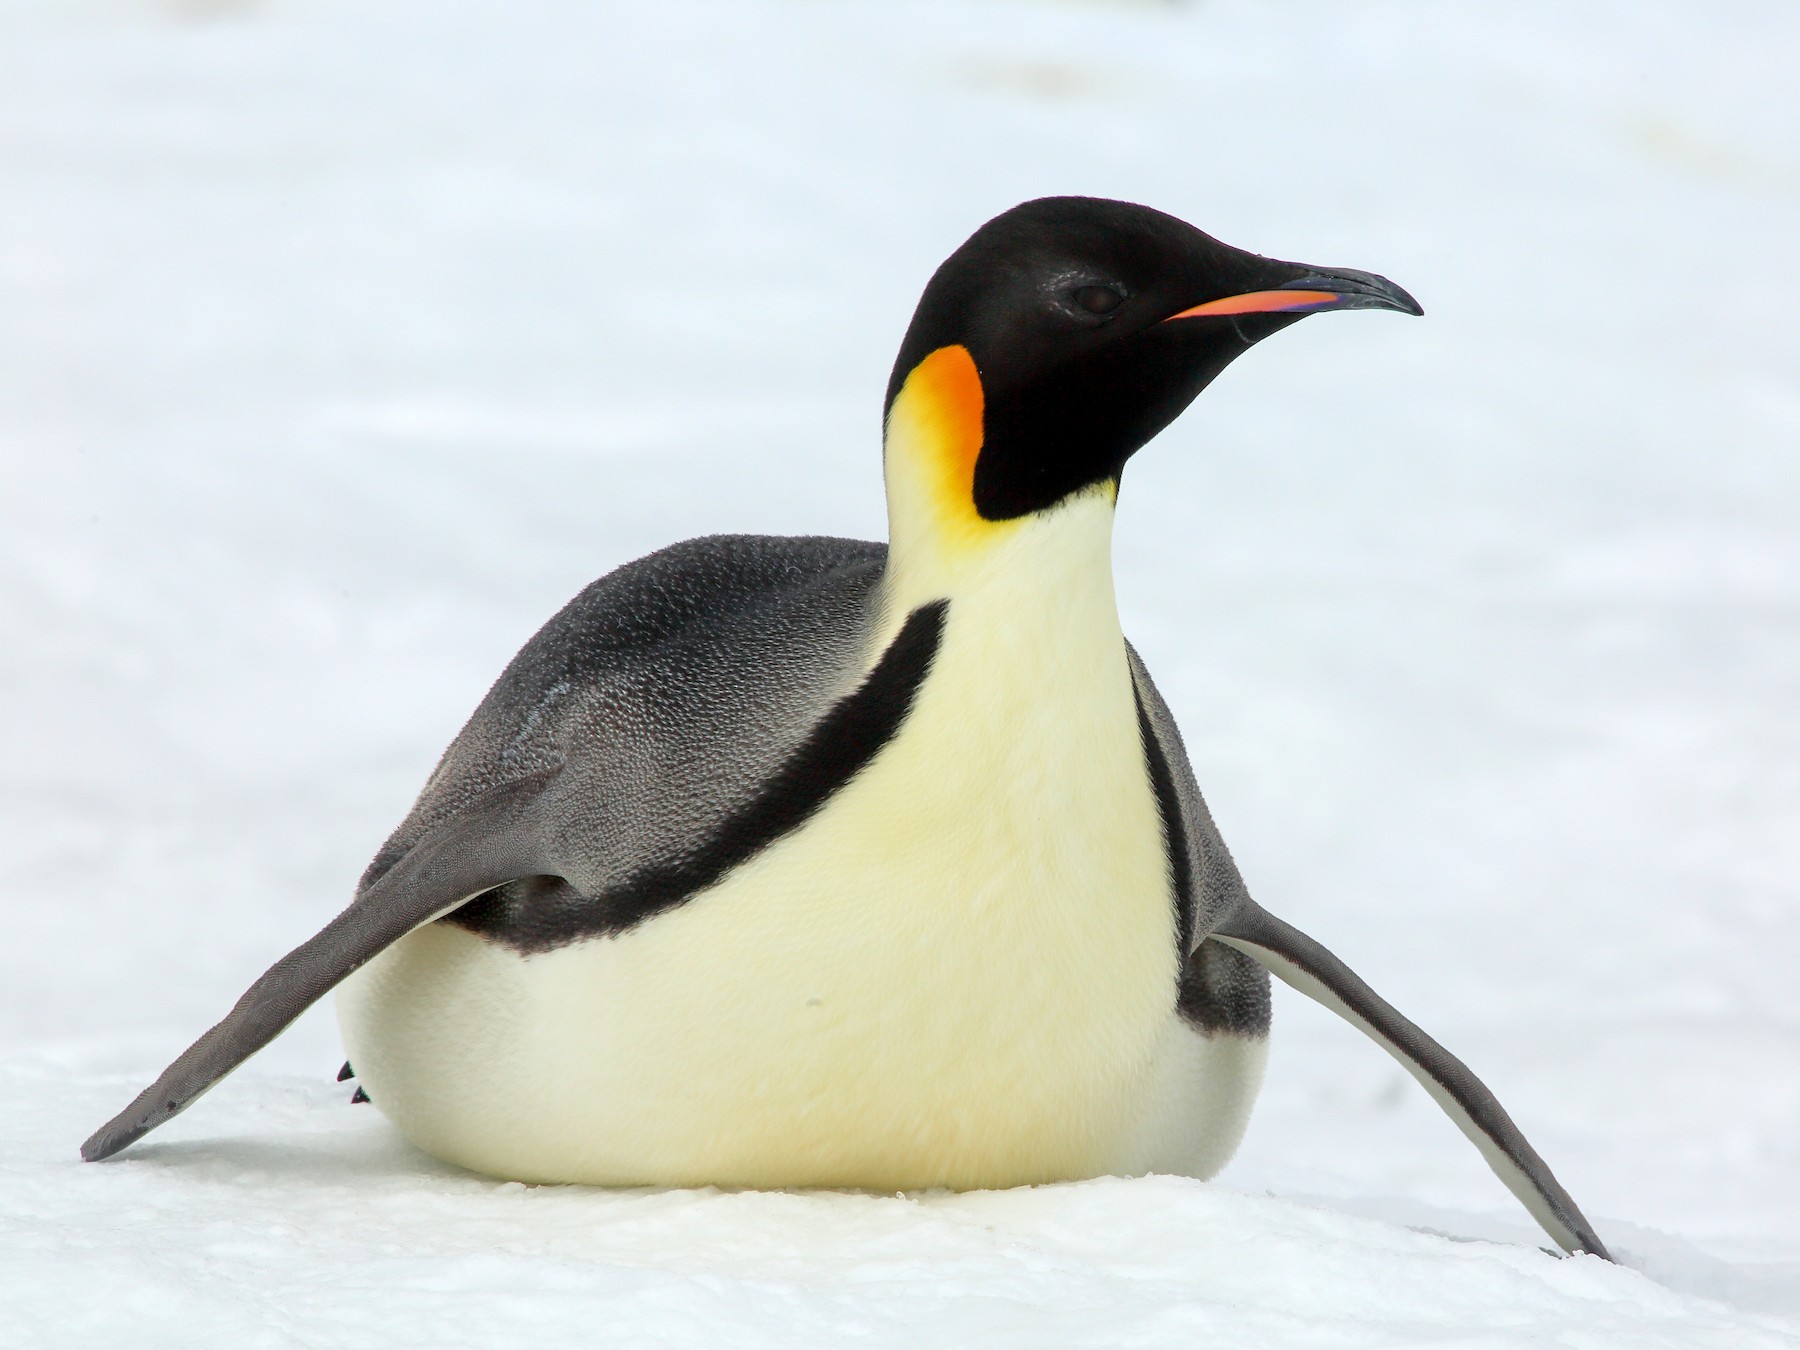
654	704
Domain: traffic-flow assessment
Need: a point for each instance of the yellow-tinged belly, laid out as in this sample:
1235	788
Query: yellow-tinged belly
957	973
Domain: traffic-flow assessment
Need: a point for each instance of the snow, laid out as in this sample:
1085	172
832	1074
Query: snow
341	343
304	1223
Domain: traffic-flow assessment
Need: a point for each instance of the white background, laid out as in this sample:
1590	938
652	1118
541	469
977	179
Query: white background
341	343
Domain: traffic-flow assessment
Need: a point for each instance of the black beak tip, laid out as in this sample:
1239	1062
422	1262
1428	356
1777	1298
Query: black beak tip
1405	304
1357	290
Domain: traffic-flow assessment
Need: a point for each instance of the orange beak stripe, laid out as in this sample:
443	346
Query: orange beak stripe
1262	302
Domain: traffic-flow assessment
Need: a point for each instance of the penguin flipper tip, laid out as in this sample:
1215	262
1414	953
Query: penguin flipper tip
1308	966
470	853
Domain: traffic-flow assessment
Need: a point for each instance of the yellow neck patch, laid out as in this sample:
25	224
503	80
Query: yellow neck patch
934	435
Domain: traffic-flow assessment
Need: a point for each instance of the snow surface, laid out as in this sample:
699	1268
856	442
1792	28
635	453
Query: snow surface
341	343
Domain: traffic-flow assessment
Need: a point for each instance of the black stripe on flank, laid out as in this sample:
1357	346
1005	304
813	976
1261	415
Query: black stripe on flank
1175	839
1219	990
540	913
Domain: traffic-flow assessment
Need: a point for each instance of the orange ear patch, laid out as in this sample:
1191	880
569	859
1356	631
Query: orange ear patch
946	399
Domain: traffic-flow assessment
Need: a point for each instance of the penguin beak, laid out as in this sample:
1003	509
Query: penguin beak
1318	289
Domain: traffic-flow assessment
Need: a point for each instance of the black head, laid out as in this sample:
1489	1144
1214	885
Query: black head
1092	324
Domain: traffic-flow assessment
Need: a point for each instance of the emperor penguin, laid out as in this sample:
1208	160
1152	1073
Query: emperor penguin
810	862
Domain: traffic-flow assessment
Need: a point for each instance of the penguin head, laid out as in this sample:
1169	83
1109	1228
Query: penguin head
1067	332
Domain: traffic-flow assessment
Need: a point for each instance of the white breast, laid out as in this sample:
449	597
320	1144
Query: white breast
960	972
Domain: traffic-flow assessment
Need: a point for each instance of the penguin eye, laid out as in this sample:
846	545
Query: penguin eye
1099	299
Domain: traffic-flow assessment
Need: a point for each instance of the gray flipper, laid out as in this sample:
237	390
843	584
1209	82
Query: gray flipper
1221	909
482	849
675	717
1315	972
